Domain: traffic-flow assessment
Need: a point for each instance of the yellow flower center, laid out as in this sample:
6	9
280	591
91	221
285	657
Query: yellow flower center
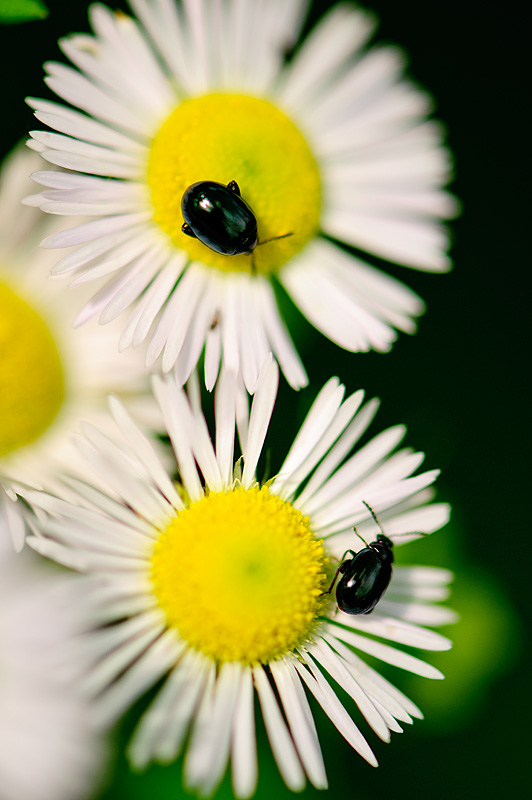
226	137
239	575
32	386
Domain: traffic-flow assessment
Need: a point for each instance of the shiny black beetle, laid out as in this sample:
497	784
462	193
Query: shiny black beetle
221	219
366	575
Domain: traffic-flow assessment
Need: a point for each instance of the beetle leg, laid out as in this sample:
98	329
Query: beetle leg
185	227
234	187
329	590
274	238
340	569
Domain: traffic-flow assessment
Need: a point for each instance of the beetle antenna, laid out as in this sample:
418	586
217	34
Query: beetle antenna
273	238
359	536
373	514
408	533
253	265
392	536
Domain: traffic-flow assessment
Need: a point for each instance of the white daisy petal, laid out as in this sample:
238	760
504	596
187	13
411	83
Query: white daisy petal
338	452
89	231
422	576
176	317
195	338
334	666
143	450
139	493
395	630
120	648
114	247
152	302
391	113
360	465
281	344
315	425
419	613
178	420
73	123
78	90
408	243
393	473
129	52
14	519
340	33
213	351
161	732
377	688
341	418
243	744
164	24
280	741
141	676
205	455
261	412
388	654
225	404
88	164
209	747
303	732
336	712
141	276
66	144
254	345
229	322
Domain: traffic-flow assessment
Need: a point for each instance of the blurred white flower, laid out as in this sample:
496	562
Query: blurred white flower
49	748
51	375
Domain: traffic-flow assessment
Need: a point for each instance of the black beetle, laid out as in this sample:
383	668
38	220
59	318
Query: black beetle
366	575
221	219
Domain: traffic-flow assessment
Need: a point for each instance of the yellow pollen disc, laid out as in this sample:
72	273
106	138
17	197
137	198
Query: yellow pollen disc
239	575
226	137
32	386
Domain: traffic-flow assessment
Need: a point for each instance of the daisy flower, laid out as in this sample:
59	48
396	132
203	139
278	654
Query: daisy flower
331	146
50	375
49	750
218	586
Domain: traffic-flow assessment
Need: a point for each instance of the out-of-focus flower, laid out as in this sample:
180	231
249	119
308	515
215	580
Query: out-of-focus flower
49	748
51	376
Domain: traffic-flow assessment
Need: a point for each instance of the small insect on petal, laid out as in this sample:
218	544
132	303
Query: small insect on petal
221	219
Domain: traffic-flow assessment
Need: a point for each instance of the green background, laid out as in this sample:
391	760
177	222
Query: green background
459	385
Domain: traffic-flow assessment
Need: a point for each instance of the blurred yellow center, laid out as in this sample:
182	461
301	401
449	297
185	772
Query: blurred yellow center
32	386
226	137
239	575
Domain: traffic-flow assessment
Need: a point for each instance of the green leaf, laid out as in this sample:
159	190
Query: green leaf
13	11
